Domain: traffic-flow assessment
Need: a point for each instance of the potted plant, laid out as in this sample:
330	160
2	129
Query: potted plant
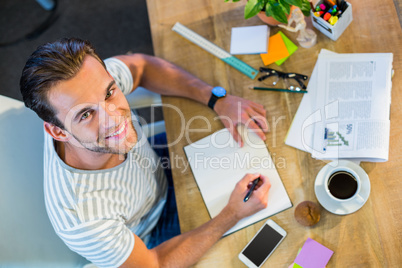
278	10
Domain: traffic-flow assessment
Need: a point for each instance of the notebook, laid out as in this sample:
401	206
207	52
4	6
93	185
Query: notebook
218	163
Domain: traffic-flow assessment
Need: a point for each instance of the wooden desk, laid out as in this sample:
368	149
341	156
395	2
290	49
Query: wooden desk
372	236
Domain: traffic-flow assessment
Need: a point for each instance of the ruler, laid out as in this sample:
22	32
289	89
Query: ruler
215	50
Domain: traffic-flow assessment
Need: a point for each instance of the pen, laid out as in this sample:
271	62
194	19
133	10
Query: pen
251	189
331	2
279	89
311	5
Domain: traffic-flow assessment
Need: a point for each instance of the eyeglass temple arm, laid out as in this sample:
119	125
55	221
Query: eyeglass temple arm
295	75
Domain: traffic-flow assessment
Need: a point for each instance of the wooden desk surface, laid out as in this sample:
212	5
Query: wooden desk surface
370	237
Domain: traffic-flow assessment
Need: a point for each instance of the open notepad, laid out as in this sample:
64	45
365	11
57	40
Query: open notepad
218	163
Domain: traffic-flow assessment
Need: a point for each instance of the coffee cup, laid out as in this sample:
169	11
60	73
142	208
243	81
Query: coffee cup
343	184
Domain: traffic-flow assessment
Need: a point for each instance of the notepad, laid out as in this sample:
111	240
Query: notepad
249	40
290	46
276	51
218	163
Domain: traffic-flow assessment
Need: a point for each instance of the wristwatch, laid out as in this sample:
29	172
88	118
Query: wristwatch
217	93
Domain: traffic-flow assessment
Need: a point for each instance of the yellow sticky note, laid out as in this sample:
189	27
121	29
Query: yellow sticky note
276	50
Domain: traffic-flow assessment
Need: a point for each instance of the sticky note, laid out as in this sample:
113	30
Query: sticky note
313	255
290	46
276	50
249	40
295	265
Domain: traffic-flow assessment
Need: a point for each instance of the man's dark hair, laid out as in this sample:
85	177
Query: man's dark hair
47	66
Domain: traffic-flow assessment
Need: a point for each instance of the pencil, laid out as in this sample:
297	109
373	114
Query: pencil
279	89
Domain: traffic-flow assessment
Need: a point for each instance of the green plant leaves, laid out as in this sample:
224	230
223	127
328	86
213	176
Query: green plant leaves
305	8
285	5
252	8
297	3
276	11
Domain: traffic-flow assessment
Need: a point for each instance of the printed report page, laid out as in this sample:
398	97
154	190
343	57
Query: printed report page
354	96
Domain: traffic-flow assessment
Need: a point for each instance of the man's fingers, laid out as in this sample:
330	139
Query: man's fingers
253	126
266	184
260	120
260	109
249	178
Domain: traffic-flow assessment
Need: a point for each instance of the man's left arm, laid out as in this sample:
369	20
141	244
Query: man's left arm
162	77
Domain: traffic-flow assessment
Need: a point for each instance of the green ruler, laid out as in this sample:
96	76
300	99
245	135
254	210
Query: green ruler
215	50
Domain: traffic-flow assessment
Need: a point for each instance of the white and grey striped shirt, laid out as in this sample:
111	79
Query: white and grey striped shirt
96	213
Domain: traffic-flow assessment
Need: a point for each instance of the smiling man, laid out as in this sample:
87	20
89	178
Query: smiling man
101	200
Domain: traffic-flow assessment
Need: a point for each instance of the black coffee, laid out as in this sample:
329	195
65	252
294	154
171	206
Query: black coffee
342	185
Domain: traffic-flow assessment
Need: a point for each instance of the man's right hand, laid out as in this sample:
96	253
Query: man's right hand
257	201
178	251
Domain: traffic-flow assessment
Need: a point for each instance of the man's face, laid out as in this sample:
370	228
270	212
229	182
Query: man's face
94	111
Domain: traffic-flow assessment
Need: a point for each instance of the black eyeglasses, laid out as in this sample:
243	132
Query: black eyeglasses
293	81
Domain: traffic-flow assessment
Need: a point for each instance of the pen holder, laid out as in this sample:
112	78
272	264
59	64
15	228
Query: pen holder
333	31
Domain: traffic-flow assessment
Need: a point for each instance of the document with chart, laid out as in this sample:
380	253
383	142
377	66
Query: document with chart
353	100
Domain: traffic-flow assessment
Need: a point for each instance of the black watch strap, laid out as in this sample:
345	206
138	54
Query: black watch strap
212	101
216	93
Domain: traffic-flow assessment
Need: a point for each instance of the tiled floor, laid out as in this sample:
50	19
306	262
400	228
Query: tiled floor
114	27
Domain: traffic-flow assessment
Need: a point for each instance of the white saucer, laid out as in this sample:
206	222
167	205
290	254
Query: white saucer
346	207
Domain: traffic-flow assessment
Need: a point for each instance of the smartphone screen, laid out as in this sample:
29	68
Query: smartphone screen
262	245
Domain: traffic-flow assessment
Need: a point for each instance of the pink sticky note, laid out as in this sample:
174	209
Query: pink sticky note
295	265
313	255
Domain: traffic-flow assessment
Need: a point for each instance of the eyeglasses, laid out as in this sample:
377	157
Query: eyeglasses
293	81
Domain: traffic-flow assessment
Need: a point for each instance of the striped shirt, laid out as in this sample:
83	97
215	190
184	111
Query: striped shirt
96	212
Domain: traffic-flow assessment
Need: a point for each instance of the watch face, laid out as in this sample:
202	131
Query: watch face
219	91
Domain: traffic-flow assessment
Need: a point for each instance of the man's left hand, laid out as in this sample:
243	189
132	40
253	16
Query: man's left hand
233	110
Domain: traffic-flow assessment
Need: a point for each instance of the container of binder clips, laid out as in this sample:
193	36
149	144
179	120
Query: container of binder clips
332	17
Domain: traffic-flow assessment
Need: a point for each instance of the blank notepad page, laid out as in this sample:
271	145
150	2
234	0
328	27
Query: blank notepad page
249	40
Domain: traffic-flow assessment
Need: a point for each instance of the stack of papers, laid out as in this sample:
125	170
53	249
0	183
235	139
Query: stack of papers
279	50
346	112
312	255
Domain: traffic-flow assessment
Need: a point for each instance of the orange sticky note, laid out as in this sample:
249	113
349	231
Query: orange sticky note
276	50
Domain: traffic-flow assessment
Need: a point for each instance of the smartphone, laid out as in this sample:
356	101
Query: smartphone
262	244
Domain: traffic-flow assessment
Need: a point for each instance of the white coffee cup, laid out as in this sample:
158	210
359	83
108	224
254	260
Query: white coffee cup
343	184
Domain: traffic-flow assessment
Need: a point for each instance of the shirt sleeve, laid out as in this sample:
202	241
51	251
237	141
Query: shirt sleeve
105	243
121	74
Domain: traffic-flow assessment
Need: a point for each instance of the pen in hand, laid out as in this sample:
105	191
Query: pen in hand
248	195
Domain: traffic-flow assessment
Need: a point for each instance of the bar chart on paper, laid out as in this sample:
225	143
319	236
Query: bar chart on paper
339	136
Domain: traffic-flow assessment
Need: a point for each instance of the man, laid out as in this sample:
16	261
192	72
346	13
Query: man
101	201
